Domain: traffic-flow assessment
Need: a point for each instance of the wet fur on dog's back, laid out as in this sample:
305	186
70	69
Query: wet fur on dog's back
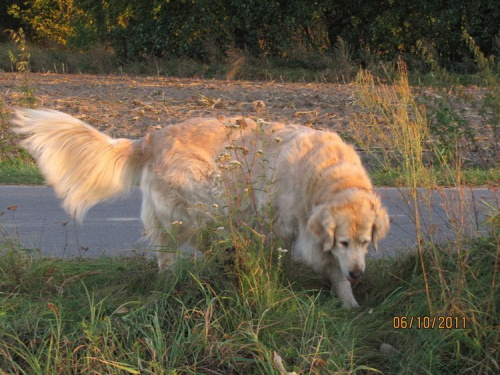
321	195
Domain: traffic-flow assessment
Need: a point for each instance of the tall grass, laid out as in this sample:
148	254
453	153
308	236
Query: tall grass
398	126
193	321
394	122
112	315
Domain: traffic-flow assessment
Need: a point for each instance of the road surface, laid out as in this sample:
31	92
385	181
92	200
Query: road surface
34	217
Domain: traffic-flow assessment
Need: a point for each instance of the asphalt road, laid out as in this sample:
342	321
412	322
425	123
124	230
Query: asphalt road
33	216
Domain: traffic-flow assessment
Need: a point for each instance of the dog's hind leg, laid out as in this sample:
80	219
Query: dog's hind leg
172	243
160	235
169	230
165	252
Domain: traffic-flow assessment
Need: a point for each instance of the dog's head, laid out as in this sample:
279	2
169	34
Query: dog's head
347	227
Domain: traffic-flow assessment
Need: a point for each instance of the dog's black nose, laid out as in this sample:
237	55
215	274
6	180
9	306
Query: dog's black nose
356	274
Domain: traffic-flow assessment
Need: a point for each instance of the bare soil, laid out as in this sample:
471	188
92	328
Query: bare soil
125	106
131	106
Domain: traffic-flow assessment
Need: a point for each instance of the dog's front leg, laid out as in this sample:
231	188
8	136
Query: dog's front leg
342	288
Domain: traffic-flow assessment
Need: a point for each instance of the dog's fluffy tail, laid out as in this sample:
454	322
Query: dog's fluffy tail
84	165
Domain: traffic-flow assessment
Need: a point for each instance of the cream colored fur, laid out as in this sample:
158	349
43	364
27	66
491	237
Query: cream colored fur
84	165
321	196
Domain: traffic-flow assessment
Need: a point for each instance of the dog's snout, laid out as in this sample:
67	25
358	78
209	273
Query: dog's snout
356	274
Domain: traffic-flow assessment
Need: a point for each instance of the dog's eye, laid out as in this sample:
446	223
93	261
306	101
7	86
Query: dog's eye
365	243
344	243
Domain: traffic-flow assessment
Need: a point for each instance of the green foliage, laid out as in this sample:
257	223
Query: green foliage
7	21
453	134
21	62
208	29
451	130
49	20
490	74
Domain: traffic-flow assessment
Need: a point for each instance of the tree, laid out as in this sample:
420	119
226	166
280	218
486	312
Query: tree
48	20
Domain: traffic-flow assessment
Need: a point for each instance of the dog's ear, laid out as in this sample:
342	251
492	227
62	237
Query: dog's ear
380	226
322	225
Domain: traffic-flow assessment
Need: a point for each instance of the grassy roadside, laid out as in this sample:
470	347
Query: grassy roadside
222	315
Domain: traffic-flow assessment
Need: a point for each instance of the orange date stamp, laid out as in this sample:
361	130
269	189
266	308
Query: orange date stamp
429	322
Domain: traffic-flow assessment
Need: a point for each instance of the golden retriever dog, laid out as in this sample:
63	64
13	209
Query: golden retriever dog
309	182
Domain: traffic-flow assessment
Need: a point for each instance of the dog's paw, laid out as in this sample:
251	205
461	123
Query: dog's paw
344	293
350	304
166	260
